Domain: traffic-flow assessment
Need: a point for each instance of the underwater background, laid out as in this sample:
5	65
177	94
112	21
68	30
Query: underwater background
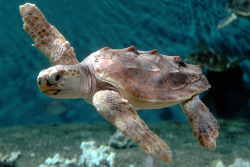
171	27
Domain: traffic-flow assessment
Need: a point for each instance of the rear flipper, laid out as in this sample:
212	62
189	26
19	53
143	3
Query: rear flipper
116	110
204	125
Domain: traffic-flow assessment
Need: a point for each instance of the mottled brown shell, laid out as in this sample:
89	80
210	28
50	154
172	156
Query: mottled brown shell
147	75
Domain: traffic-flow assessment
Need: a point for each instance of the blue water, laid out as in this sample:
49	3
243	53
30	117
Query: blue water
172	27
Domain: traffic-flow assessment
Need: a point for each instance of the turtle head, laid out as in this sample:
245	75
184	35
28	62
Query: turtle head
61	81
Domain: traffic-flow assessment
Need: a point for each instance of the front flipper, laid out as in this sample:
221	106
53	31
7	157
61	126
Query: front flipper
227	21
204	125
46	37
116	110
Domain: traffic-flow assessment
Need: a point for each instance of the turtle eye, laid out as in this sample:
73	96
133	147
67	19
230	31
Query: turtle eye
58	77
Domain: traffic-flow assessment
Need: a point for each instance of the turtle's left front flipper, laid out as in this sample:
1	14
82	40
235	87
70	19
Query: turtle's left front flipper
46	37
116	110
205	127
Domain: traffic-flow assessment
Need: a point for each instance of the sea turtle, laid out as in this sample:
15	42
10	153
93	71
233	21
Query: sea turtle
237	8
213	60
119	81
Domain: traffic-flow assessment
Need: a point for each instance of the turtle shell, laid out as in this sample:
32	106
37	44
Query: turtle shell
146	78
239	7
209	59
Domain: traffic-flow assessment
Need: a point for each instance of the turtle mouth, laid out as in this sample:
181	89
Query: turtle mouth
52	92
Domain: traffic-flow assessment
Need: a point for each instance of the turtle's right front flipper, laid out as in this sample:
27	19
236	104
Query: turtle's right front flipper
46	37
121	114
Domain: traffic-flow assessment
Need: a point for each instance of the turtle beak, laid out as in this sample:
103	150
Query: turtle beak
43	84
46	87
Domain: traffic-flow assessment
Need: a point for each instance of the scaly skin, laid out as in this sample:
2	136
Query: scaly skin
204	125
46	37
116	110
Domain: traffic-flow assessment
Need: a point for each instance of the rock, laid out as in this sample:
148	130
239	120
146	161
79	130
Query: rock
118	140
91	157
217	163
60	161
239	162
71	163
57	159
96	157
9	160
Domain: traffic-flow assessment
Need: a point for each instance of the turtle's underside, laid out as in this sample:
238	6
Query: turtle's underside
117	82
